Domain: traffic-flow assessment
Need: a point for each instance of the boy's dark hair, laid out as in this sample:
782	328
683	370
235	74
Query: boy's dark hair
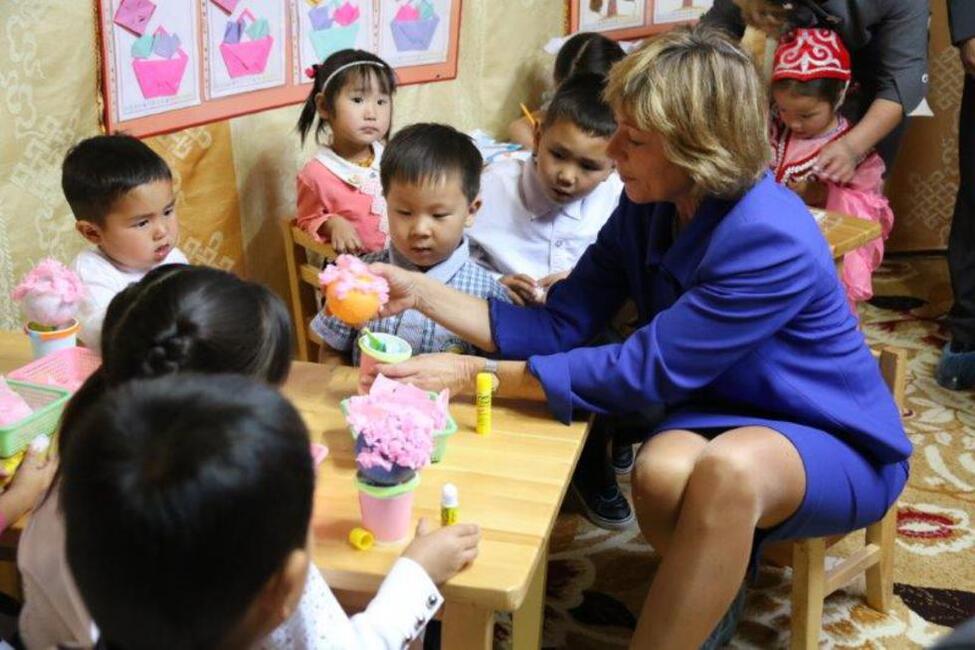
426	152
182	496
579	100
180	319
99	171
586	52
365	74
827	90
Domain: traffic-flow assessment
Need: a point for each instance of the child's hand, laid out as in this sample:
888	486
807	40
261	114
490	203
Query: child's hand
837	162
443	552
549	281
33	477
522	289
342	235
813	193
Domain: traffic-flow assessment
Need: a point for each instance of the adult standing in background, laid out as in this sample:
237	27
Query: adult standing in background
957	368
888	42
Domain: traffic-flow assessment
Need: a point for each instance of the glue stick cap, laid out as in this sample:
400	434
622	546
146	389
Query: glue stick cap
485	383
448	496
361	539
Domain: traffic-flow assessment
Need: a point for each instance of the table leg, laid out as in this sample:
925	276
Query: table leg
467	626
528	620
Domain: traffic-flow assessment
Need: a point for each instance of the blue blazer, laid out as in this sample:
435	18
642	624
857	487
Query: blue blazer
743	322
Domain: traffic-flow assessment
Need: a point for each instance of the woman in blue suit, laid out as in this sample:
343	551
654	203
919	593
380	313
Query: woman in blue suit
778	423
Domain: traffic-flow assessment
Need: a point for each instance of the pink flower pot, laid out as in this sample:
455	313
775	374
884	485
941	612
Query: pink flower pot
387	512
397	351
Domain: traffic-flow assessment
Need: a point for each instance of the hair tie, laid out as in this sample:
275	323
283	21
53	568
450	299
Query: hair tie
350	65
311	71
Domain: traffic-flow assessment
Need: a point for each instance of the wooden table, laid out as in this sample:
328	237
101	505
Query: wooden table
511	483
844	233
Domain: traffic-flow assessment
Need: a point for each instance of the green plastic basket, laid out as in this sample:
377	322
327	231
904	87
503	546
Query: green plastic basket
439	437
48	403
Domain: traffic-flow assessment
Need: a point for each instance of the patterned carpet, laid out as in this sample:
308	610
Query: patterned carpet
597	580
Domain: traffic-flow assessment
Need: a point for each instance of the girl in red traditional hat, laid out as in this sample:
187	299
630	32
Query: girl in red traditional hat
810	76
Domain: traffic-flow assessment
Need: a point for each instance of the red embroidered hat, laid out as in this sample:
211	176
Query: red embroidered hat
807	54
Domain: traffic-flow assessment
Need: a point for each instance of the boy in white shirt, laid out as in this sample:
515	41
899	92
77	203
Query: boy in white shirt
121	194
540	215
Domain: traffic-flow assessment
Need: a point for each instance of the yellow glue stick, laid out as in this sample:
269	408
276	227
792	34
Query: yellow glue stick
484	385
449	504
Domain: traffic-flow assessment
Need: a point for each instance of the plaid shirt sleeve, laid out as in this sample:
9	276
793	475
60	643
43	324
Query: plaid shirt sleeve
336	334
476	281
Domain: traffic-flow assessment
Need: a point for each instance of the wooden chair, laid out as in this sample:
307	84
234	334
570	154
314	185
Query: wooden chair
812	583
303	281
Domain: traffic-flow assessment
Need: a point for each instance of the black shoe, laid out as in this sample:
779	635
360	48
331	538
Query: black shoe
622	457
606	508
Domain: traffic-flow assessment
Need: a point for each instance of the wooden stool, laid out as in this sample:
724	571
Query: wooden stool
812	583
303	281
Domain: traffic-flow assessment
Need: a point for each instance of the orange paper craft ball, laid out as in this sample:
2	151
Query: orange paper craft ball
355	309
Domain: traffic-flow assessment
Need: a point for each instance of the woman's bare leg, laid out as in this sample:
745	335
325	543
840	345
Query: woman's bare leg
745	478
660	474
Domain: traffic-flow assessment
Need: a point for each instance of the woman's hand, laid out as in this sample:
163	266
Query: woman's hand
434	372
403	288
342	235
837	162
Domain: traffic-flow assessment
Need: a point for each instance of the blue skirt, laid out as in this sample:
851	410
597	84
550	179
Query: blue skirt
845	489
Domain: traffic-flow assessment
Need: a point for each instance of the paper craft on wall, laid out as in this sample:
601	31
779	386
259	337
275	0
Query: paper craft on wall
631	19
153	48
678	11
330	26
246	47
171	64
414	32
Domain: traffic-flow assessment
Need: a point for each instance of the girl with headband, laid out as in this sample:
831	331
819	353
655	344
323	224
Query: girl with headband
340	199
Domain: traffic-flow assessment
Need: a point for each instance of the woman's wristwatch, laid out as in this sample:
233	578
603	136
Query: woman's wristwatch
491	367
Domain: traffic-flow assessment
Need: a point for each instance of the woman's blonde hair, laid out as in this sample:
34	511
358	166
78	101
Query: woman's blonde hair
703	95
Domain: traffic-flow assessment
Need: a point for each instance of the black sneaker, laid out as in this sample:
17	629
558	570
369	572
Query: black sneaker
623	457
606	508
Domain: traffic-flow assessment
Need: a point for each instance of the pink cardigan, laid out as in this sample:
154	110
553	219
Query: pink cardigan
322	194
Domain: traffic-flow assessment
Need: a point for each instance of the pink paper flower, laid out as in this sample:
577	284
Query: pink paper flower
50	294
346	14
397	422
350	273
407	13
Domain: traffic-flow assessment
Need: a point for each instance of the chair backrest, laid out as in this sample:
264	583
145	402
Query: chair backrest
299	250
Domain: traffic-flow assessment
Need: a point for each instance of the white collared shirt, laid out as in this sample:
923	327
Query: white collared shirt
520	230
103	278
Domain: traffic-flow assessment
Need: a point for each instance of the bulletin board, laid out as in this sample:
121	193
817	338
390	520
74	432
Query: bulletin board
171	64
632	19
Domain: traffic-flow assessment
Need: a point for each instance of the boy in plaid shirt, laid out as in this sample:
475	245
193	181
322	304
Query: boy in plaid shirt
431	180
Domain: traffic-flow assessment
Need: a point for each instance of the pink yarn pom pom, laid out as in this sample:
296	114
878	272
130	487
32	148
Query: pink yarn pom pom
350	273
50	294
397	422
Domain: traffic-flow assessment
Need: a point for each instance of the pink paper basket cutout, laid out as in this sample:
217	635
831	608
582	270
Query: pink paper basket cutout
248	57
134	15
227	5
160	77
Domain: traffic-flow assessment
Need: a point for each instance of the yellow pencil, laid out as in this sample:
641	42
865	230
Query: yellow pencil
528	114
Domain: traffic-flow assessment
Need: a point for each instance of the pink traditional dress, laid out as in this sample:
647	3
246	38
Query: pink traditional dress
804	55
